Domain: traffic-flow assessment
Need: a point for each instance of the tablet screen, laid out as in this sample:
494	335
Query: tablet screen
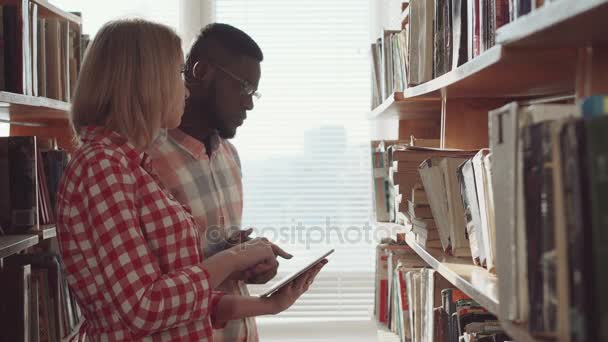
287	279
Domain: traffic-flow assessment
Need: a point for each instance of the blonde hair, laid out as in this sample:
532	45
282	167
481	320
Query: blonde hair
127	79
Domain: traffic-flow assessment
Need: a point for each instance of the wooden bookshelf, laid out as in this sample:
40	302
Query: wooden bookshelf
548	72
11	244
473	280
574	23
29	108
404	108
557	50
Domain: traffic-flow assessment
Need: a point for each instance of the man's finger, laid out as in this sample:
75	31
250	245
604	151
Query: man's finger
278	251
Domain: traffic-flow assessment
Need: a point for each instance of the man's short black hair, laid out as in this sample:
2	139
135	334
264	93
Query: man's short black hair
234	41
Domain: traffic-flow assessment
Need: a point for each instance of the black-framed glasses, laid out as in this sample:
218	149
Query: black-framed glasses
246	87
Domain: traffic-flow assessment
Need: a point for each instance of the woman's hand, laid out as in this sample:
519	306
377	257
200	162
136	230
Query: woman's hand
287	295
257	252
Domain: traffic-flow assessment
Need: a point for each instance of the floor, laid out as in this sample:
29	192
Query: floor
351	331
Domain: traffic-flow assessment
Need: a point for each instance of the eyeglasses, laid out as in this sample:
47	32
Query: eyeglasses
246	87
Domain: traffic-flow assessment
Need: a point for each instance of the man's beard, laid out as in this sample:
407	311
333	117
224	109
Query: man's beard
216	119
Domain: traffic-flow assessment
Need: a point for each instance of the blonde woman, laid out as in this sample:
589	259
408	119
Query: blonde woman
131	252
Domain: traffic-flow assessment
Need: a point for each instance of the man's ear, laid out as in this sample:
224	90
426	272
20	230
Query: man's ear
202	71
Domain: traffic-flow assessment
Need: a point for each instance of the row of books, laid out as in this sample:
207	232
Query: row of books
41	55
418	304
440	36
444	195
29	181
549	178
36	302
538	191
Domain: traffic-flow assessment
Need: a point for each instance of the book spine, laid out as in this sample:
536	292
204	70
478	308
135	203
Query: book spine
576	213
549	267
532	142
597	157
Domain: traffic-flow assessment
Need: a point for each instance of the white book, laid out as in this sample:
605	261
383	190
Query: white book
457	227
474	225
487	164
504	144
482	192
433	181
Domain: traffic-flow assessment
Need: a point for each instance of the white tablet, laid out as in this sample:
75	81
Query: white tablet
295	274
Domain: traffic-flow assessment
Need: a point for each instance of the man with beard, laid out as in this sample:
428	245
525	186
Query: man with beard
197	163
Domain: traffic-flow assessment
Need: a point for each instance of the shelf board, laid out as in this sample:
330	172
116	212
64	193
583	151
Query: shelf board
47	9
506	73
473	280
575	23
32	108
11	244
398	106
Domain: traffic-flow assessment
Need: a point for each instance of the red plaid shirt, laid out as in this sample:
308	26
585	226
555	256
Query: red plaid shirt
131	252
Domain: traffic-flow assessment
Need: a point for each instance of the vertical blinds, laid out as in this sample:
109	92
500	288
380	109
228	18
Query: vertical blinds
305	146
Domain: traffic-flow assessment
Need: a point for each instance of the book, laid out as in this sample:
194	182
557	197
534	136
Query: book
578	227
455	208
487	164
41	57
50	264
472	218
504	143
420	41
505	125
419	195
19	177
53	59
33	46
15	287
597	154
538	182
419	210
432	179
459	32
482	186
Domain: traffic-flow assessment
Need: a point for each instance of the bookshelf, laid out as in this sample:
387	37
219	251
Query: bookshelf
48	66
12	244
549	52
405	108
562	24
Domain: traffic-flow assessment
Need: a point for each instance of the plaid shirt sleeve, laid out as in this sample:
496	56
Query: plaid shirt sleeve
146	299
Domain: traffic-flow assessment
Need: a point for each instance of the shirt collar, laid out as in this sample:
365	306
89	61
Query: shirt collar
192	146
113	140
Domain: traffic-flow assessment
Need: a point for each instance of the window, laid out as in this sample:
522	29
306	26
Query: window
305	146
97	13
